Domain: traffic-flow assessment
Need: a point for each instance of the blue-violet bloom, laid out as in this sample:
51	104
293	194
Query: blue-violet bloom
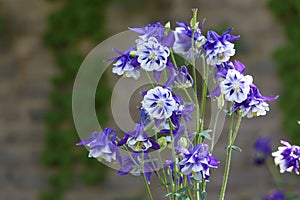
287	157
138	140
159	103
102	145
275	195
163	35
262	150
236	86
219	49
136	165
126	64
255	104
152	55
197	163
182	78
183	41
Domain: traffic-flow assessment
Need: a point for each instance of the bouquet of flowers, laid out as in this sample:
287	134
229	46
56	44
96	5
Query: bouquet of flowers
170	140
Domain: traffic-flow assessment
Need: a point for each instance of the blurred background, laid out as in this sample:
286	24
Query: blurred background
42	44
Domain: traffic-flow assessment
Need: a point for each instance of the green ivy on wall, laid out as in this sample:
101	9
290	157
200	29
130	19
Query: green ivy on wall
75	22
288	59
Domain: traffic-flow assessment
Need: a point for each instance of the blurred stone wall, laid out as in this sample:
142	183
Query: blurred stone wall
26	67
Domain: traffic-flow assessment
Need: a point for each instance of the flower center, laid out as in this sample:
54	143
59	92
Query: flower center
153	56
236	87
139	146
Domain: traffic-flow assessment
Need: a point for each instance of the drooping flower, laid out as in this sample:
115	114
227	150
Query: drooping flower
164	36
184	109
219	49
137	164
275	195
159	103
125	64
236	86
138	140
198	162
182	78
183	41
262	150
152	55
102	145
255	104
287	157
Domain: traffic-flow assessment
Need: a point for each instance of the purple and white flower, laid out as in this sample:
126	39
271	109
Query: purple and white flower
236	86
182	78
183	41
219	49
287	157
152	56
102	145
198	162
163	35
125	64
255	104
159	103
138	140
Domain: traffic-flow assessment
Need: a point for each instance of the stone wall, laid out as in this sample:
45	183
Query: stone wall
26	68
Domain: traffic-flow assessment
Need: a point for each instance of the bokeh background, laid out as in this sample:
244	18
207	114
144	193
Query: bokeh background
42	44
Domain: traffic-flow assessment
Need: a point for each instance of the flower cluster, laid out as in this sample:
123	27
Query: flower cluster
167	109
240	90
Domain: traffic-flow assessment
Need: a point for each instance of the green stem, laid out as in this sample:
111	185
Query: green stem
147	187
231	139
214	132
174	157
145	179
203	98
274	173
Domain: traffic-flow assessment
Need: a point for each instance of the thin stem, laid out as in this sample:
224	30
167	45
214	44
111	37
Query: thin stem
203	98
174	157
173	58
274	173
214	132
231	139
147	187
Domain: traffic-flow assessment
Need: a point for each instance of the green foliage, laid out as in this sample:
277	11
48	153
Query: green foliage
76	20
288	59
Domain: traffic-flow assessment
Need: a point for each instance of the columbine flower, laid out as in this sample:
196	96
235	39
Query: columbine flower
198	162
255	104
183	41
182	78
102	145
138	140
287	157
236	86
263	150
136	165
156	30
220	72
125	64
275	195
152	55
159	103
219	49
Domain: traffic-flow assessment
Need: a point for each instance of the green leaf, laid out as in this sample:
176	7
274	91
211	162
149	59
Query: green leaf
205	134
203	195
184	189
236	148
